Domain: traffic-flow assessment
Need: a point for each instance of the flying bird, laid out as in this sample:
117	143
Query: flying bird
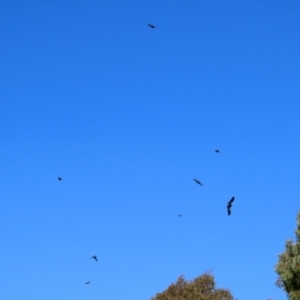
179	215
217	150
88	282
151	26
59	178
229	206
95	257
197	181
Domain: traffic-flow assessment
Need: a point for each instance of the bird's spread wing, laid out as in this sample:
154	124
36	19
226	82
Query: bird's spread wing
197	181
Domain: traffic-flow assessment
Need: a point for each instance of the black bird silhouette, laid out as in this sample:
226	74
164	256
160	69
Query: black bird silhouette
95	257
217	150
88	282
197	181
229	206
151	26
179	215
59	178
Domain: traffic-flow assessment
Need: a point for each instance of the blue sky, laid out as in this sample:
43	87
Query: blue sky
128	116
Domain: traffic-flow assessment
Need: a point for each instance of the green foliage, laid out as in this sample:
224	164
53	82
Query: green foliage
288	266
201	288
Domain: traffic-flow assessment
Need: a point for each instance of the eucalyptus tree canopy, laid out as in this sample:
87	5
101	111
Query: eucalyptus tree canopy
201	288
288	266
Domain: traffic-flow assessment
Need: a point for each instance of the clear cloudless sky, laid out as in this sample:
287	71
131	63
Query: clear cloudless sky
128	116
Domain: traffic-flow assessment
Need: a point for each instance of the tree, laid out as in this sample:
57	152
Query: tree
288	266
201	288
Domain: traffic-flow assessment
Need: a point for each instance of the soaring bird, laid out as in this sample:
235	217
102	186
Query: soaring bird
88	282
95	257
151	26
217	150
229	206
59	178
179	215
197	181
